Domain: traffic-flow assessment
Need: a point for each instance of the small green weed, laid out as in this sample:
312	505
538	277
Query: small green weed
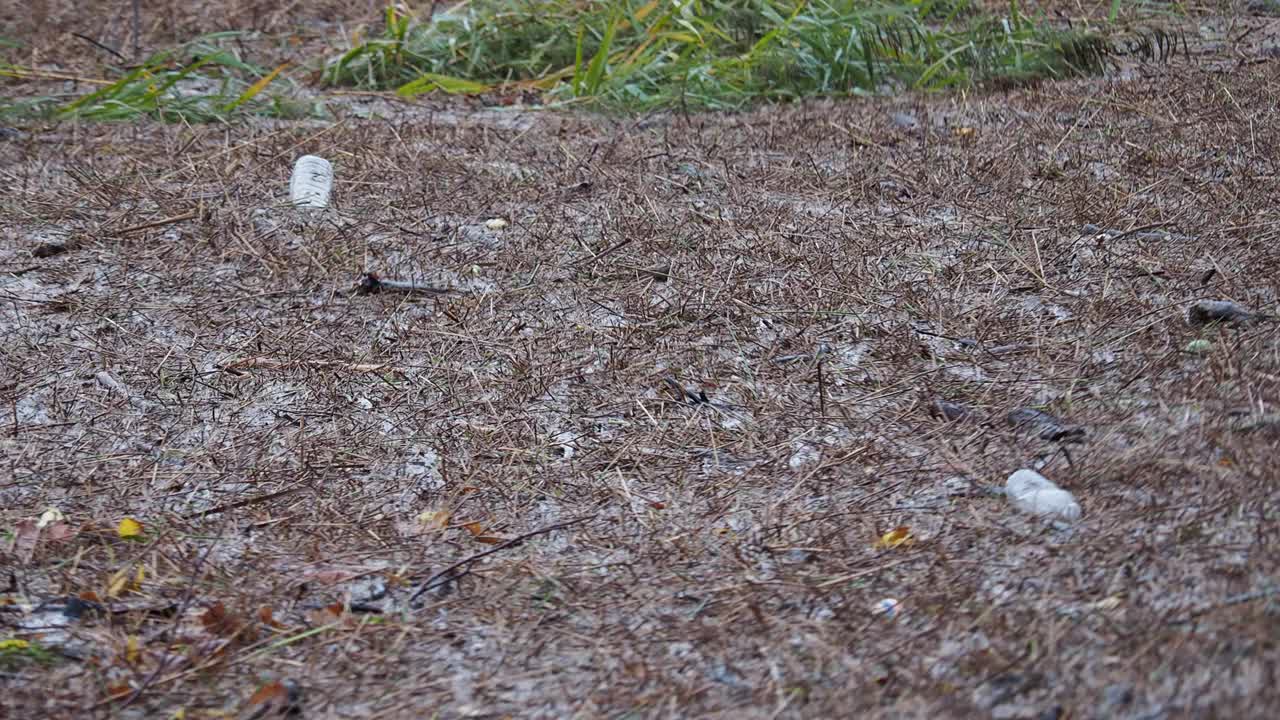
16	654
199	81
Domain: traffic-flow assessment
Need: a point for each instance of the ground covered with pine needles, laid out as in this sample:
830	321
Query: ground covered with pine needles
679	401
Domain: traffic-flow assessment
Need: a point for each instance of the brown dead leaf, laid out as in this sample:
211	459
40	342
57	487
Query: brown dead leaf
218	620
481	535
435	519
26	535
266	616
275	699
327	576
328	614
61	532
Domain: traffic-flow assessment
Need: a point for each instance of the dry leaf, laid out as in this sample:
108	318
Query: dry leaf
328	614
129	529
118	583
435	519
61	531
266	616
275	699
132	652
221	622
897	537
26	534
49	517
479	534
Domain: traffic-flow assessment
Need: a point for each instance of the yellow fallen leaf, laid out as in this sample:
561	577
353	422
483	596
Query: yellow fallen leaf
896	537
118	584
14	644
129	528
131	653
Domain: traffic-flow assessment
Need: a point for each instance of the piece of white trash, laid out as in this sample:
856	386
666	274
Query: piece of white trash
1031	492
311	182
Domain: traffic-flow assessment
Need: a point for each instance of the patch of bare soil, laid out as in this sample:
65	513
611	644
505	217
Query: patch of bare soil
634	459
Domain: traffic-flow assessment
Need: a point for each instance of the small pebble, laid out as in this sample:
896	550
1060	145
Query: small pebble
495	223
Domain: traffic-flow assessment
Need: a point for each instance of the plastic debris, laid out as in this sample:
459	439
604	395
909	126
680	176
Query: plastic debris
1214	311
49	517
887	607
311	182
1031	492
949	411
1048	426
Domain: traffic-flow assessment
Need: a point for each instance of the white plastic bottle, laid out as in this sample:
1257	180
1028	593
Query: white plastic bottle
1031	492
311	182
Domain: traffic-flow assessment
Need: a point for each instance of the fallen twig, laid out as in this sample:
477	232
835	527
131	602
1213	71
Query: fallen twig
265	363
371	283
1237	599
447	573
241	503
190	215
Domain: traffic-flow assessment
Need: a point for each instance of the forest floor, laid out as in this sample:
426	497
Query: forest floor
643	449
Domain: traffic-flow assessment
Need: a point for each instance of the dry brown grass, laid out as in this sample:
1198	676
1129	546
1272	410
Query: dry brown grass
722	562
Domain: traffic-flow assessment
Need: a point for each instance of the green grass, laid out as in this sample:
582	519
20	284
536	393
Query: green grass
640	54
17	654
199	81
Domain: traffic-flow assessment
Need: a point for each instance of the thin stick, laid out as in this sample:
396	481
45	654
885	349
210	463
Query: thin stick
99	45
480	555
266	363
241	503
192	215
137	28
